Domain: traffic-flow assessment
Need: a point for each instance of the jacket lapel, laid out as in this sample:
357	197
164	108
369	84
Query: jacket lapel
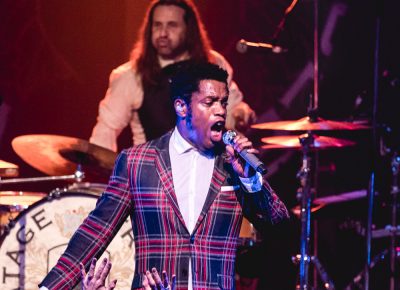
164	170
217	180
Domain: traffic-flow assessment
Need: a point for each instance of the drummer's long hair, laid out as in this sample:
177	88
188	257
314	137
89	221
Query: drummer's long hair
144	55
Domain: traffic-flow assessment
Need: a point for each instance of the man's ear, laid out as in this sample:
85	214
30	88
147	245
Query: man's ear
180	108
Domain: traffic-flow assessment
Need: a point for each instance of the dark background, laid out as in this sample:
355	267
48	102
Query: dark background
56	56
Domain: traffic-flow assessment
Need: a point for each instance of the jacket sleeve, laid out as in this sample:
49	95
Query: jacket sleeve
96	231
263	206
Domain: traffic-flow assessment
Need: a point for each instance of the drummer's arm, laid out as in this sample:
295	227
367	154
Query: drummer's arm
96	232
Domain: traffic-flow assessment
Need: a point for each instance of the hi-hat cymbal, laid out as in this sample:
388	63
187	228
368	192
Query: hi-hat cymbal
60	155
319	142
307	124
8	169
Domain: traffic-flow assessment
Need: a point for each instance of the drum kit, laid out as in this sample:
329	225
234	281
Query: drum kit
61	158
308	142
26	216
35	227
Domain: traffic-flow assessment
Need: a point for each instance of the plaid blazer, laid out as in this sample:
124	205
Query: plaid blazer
141	186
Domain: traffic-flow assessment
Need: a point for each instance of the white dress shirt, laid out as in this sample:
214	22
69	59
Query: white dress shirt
192	172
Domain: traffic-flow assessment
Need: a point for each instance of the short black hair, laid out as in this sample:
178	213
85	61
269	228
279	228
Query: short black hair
186	76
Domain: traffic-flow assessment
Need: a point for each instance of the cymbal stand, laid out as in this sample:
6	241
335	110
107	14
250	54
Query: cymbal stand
395	166
393	229
304	196
78	176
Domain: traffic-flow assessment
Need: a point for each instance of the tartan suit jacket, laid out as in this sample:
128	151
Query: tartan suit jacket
141	186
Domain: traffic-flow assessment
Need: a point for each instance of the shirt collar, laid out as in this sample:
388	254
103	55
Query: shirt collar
180	144
165	62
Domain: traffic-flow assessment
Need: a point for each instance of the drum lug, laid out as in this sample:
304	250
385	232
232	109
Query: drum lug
56	193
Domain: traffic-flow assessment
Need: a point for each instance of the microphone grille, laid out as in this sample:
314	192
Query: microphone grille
228	137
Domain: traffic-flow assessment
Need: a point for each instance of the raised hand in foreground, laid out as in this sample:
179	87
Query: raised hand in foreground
152	281
95	280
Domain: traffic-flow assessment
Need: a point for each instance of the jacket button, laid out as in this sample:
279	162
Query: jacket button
192	239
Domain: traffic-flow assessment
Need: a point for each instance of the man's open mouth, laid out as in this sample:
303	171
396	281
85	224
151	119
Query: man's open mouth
218	126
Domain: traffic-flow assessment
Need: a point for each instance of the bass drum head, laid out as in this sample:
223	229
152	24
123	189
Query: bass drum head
40	234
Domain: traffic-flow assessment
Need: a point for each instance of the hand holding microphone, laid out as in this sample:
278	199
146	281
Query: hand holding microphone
239	145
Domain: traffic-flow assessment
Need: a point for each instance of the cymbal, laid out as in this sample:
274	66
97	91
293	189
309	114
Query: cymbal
306	124
60	155
320	142
8	169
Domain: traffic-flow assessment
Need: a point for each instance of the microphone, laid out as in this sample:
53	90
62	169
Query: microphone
243	45
248	157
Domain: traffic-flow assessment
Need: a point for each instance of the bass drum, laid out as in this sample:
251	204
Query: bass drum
40	234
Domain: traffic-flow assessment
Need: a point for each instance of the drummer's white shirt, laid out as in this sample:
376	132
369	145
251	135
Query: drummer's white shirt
192	173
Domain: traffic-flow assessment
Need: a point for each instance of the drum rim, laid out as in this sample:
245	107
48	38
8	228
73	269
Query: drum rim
50	197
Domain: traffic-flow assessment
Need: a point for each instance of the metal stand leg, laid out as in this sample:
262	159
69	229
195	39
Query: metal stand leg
305	216
304	195
393	229
395	166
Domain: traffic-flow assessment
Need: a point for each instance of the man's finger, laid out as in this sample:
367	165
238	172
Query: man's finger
100	269
91	269
173	282
150	279
165	279
112	285
156	277
83	272
105	272
145	283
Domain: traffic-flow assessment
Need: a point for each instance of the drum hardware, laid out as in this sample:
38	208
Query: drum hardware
304	196
394	227
95	189
321	202
14	202
328	284
391	230
310	123
78	176
357	280
8	169
387	231
308	142
88	187
247	234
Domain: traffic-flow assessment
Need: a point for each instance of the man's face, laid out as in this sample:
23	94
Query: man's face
168	31
207	114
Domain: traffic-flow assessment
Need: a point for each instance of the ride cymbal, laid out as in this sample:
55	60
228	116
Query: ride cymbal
307	124
60	155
